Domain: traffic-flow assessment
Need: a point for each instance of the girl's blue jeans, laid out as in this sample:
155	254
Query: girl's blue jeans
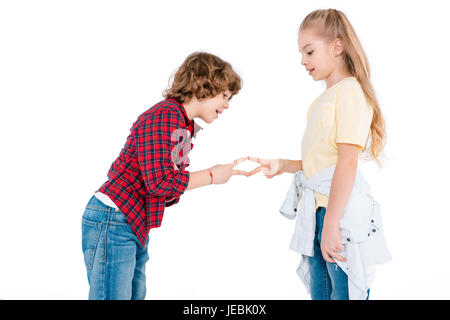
328	281
114	258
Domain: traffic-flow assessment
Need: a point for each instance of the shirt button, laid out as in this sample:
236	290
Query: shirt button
371	221
373	230
348	239
295	209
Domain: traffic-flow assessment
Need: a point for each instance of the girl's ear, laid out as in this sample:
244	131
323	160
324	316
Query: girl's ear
338	47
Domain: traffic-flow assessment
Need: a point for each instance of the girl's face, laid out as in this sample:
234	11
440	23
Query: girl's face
319	57
210	108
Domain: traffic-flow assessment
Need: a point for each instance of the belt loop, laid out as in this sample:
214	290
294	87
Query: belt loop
106	232
115	215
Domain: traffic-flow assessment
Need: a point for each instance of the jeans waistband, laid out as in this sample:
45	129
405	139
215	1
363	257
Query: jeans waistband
95	204
98	211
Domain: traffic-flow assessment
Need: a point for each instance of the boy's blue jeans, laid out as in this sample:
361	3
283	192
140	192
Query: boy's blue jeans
328	281
114	258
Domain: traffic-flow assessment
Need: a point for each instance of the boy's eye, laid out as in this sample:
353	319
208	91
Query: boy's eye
310	52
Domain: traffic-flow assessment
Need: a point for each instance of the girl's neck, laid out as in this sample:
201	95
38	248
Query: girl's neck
334	78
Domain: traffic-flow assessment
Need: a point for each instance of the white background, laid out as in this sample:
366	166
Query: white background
75	75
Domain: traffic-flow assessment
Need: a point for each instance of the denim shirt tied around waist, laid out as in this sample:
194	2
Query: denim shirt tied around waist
361	229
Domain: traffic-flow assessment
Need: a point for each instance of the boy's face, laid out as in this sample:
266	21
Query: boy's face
210	108
317	55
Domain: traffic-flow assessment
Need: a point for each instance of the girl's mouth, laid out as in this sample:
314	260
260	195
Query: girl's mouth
311	71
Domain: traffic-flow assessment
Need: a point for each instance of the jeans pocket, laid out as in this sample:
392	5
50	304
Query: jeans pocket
90	231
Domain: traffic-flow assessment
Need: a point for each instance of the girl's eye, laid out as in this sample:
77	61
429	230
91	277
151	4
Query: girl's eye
309	53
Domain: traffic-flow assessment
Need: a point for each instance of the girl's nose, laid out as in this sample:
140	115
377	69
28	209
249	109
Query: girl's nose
303	62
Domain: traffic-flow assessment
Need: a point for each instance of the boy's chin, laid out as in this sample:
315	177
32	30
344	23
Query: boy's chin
211	120
207	119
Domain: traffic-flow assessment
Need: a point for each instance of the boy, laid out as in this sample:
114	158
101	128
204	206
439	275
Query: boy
150	174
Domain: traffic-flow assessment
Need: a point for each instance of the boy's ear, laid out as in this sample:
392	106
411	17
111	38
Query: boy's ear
195	99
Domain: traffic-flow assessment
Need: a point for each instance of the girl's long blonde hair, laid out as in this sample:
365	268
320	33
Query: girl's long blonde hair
331	24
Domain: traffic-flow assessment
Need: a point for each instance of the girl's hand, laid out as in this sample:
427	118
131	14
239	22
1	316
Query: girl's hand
223	172
331	244
270	168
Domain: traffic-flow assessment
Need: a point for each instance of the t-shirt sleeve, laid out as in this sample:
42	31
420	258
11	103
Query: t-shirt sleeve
353	115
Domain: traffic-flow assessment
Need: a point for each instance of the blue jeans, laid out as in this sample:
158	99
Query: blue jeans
328	280
114	258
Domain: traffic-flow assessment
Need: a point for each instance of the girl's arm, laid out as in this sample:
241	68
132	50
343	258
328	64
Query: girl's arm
291	166
274	167
341	188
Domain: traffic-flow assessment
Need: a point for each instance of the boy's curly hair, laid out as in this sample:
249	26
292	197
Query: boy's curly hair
203	75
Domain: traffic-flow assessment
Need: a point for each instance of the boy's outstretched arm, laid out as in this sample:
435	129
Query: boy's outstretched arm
221	173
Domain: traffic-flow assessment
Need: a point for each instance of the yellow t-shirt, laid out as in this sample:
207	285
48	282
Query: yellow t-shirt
341	114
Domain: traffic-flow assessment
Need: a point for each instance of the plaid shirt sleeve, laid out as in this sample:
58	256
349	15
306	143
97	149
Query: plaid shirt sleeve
154	146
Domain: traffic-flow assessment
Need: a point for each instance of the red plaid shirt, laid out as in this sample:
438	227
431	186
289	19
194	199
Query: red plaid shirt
142	181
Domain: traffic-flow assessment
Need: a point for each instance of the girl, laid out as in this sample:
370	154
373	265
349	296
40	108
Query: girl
150	174
339	124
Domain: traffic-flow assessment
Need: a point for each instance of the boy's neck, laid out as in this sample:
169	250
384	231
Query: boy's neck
190	109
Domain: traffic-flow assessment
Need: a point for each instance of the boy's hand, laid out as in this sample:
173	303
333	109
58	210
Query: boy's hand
223	172
270	168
